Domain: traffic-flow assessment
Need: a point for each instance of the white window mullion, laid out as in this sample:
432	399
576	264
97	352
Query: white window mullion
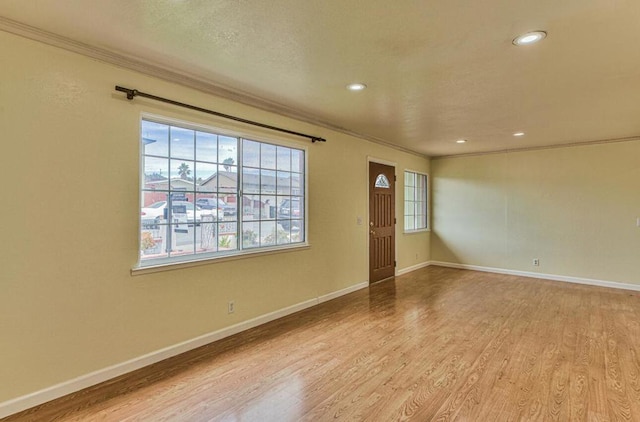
240	195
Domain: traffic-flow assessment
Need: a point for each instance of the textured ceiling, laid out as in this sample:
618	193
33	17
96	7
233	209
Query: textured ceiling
436	71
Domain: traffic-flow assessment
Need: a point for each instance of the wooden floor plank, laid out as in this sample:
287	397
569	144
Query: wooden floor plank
437	344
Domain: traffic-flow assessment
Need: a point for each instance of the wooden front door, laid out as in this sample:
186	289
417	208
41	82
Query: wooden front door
382	245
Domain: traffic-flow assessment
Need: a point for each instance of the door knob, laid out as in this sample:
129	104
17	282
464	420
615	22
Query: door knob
372	232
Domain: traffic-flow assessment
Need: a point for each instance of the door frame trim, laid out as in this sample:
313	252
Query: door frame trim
373	159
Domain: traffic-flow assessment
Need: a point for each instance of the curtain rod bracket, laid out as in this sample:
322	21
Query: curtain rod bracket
132	93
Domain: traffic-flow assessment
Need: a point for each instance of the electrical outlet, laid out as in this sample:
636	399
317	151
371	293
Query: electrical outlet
231	307
536	262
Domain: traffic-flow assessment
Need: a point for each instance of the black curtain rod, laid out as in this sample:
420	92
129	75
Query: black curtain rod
132	93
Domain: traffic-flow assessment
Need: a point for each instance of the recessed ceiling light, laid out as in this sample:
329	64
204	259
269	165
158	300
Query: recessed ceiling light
529	38
356	87
461	141
518	134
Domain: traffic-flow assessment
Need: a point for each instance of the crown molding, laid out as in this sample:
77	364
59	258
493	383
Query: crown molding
182	78
542	147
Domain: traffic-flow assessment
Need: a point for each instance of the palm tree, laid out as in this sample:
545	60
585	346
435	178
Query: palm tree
228	162
183	171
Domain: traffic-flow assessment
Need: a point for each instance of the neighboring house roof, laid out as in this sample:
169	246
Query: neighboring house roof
230	179
176	182
224	179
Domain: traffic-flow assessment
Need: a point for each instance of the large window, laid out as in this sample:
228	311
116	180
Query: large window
206	194
415	201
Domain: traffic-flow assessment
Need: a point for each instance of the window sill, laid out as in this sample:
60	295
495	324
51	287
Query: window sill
196	262
416	231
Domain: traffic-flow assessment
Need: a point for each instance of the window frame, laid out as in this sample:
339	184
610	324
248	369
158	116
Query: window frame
427	226
156	264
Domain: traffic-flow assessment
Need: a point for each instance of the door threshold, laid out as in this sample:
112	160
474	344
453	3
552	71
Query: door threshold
384	279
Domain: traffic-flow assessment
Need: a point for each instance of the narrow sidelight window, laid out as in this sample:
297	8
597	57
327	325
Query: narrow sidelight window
415	201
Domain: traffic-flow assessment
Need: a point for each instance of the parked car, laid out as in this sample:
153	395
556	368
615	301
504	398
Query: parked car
229	209
183	211
210	203
222	207
289	209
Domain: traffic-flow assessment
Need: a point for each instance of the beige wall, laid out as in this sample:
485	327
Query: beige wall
70	162
574	208
69	220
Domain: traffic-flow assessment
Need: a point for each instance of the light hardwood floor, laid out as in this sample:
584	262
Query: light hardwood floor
437	344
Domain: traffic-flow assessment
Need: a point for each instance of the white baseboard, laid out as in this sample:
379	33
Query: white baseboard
84	381
355	287
413	268
554	277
